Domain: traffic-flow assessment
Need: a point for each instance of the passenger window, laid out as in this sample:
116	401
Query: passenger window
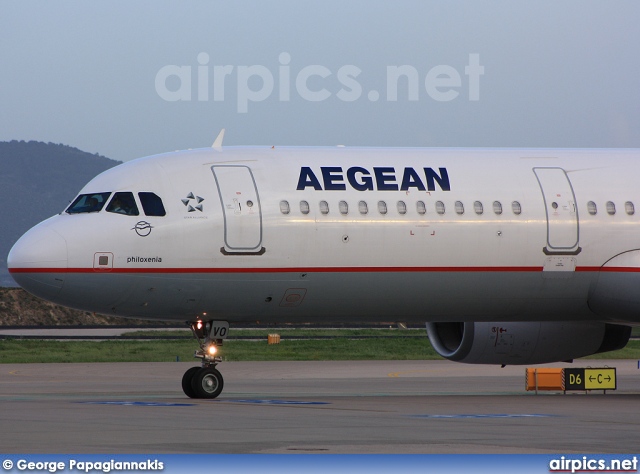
402	207
382	207
304	207
284	207
123	203
516	208
440	207
343	207
363	208
629	208
478	207
611	208
421	208
152	205
459	208
324	207
592	208
497	207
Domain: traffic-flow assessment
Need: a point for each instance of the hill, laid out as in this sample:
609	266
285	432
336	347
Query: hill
37	180
19	308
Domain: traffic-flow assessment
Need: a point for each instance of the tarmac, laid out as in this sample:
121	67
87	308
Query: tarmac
311	407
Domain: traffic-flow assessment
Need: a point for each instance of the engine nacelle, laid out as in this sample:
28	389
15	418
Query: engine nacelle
616	293
518	343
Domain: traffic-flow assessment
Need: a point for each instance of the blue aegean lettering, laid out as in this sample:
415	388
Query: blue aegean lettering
382	179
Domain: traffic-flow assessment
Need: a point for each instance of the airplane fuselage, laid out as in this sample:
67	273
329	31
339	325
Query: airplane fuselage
351	234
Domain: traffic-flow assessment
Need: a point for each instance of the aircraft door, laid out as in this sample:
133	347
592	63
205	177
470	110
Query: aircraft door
561	211
241	209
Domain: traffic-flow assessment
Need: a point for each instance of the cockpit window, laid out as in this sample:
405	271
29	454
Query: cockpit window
88	203
123	203
152	204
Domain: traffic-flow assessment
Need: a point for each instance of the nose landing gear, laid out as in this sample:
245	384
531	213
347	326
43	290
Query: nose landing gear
206	381
203	382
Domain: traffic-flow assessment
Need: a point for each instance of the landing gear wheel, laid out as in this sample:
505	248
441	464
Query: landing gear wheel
207	383
187	385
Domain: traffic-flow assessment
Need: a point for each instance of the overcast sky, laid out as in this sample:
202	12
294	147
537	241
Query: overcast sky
113	77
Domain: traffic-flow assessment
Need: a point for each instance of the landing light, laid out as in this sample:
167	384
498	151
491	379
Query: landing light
198	328
212	350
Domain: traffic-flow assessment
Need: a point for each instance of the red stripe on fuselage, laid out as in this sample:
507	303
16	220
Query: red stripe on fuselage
316	270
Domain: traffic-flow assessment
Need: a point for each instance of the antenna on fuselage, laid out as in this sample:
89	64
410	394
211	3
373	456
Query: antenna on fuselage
218	141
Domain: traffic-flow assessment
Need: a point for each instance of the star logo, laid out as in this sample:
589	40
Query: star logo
191	199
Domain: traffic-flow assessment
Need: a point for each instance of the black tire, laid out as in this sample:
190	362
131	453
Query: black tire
207	383
187	385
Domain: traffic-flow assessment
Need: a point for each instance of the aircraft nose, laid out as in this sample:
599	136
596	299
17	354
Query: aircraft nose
38	260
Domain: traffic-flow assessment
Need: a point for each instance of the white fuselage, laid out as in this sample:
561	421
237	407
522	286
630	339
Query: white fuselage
352	234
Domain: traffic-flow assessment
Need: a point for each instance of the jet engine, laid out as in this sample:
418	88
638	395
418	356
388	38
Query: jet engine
518	343
616	293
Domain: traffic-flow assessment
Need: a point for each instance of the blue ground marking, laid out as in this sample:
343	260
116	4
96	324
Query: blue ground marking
272	402
141	404
489	415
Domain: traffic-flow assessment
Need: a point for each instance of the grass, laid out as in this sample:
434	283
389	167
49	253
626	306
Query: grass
30	351
632	351
35	351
